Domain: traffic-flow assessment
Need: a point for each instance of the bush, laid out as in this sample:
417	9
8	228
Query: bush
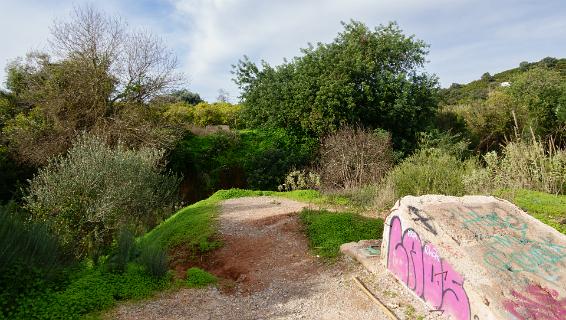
522	165
218	113
300	180
154	260
13	175
429	171
29	244
125	247
94	190
30	260
253	159
366	76
197	278
354	157
204	114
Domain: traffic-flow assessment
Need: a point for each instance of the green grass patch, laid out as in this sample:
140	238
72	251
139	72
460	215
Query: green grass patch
193	226
198	278
548	208
328	230
89	290
309	196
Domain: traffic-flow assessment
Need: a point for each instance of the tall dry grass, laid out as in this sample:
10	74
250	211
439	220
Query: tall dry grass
523	164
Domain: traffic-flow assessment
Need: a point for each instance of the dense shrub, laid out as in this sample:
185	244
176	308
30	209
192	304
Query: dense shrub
429	171
30	258
522	165
541	92
154	260
27	243
13	176
204	114
124	250
354	157
254	159
90	193
490	122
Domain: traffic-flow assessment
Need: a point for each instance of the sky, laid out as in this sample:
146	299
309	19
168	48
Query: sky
466	38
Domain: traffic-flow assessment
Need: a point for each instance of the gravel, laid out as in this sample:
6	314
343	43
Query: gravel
270	274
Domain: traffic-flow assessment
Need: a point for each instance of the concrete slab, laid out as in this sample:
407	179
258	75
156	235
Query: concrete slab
476	257
366	252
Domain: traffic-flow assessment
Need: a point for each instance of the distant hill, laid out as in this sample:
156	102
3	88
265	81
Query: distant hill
479	89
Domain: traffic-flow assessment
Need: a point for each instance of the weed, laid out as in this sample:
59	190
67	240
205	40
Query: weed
197	278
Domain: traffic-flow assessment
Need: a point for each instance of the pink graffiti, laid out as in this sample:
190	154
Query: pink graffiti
421	268
536	303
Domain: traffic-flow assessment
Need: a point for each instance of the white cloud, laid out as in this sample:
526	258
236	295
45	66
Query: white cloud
220	32
467	37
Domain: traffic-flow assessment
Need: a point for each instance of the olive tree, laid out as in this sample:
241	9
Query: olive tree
87	195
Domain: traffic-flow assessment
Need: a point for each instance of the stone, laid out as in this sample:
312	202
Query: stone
476	257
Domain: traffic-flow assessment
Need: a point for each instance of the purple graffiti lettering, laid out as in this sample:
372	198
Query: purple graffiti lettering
536	303
422	269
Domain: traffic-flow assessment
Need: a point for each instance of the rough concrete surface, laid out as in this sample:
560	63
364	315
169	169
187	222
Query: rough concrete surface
359	252
476	257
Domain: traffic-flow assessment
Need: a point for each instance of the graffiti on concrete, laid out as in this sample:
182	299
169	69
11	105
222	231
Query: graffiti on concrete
536	302
421	268
508	249
421	217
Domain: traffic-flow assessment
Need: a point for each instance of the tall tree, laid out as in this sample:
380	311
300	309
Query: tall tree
368	77
96	71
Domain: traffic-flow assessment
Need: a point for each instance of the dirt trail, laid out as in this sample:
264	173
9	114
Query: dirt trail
270	274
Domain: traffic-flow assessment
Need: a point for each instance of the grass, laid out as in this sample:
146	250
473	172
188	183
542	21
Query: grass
548	208
198	278
328	230
92	289
193	226
89	290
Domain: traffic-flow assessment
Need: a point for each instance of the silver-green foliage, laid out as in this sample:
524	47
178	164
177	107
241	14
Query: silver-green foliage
93	190
300	180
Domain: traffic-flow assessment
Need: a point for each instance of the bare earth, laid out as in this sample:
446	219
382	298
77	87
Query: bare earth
270	273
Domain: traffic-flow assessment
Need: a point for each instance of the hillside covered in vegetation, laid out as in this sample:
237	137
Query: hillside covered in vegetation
112	171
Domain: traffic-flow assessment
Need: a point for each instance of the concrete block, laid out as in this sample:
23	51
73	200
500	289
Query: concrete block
366	252
476	257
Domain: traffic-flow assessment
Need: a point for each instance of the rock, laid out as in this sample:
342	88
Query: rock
476	257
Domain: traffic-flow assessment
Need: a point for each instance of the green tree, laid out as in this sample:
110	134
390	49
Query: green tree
95	68
366	77
187	96
541	92
94	190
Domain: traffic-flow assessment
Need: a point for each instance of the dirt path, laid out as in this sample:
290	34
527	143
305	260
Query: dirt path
270	274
